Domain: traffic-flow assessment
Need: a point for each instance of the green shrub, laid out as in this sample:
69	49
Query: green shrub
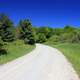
41	38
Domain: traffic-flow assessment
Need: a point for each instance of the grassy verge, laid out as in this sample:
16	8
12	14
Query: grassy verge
71	51
15	50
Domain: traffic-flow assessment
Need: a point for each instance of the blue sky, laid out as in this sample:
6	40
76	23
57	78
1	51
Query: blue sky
53	13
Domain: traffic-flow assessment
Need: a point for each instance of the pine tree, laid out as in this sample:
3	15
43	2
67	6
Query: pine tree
6	27
26	32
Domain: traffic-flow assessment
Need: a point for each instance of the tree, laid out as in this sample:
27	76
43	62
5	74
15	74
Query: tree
58	31
69	29
76	37
41	38
6	27
66	37
46	31
26	32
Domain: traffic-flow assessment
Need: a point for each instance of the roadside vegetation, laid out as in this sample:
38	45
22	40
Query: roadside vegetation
67	40
14	50
71	51
16	41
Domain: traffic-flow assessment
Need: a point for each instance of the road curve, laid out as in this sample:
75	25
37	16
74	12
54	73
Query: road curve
43	63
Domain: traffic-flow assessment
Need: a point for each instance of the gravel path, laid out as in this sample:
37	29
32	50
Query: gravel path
43	63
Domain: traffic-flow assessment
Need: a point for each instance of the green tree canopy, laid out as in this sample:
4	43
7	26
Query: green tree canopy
6	27
26	31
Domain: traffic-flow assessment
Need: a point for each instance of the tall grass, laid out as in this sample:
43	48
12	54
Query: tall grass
15	50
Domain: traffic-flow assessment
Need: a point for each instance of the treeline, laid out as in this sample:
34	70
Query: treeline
67	34
31	35
23	31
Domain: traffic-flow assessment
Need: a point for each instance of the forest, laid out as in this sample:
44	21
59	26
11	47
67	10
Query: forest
24	33
31	35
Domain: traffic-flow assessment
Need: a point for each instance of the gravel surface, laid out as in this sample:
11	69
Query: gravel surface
43	63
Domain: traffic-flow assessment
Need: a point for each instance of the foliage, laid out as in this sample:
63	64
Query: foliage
0	44
15	50
41	38
31	35
58	31
71	51
6	27
54	38
69	29
26	32
66	34
2	49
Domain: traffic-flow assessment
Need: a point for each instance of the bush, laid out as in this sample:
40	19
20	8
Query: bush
3	52
54	38
26	41
71	37
41	38
29	41
66	37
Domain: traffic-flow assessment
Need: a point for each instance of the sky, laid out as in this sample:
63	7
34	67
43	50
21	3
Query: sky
53	13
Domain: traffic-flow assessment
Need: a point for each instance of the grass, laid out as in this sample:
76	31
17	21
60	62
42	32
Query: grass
71	51
14	50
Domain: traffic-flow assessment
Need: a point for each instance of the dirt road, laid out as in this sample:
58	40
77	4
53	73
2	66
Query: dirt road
43	63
